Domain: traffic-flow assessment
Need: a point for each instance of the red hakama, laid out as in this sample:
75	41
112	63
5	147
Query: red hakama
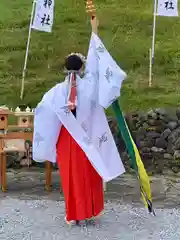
82	186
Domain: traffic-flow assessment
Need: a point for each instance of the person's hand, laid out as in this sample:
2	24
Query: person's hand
94	24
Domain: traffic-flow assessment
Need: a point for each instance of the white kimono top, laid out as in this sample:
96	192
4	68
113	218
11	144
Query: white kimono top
96	91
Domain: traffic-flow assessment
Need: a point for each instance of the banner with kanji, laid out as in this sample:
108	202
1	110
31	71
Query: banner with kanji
44	15
168	8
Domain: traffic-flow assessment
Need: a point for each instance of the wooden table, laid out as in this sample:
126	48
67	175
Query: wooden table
18	136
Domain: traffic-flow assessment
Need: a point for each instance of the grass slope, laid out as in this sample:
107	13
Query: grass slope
71	32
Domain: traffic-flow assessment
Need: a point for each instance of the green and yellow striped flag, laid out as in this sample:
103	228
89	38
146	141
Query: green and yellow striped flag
135	158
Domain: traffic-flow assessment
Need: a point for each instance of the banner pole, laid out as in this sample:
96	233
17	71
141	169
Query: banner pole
150	67
27	50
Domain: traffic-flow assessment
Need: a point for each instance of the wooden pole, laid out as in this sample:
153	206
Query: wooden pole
48	176
91	10
2	166
3	172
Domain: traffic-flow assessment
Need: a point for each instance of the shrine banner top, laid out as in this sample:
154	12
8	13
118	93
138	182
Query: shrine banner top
44	15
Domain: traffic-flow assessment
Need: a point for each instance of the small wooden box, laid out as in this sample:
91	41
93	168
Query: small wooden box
25	119
4	119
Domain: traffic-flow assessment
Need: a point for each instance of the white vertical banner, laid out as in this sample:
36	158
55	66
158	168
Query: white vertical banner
43	21
168	8
44	15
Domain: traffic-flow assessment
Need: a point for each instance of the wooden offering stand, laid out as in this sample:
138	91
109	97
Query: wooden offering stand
15	141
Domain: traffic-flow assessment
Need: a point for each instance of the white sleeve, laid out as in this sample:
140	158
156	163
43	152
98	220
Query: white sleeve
46	132
105	71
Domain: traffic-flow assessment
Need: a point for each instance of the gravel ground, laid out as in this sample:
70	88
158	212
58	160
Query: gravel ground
44	219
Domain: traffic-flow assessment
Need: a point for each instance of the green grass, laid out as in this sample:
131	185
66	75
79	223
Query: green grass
71	32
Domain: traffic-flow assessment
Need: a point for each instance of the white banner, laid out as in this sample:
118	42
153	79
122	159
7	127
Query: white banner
44	15
167	8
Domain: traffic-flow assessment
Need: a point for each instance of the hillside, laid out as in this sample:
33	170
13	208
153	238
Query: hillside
71	33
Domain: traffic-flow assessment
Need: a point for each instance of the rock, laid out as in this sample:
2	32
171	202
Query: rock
152	122
141	131
160	111
161	143
178	113
153	134
146	143
142	117
134	115
175	134
146	156
145	125
156	125
166	133
145	150
157	150
172	125
177	155
143	144
168	156
175	169
152	114
170	147
173	117
176	145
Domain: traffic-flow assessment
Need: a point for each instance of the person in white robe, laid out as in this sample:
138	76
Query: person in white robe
81	143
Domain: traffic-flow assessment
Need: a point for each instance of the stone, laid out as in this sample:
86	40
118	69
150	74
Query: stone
177	154
160	111
170	147
156	123
143	144
175	134
145	150
166	133
146	155
151	142
152	114
175	169
134	115
172	117
153	134
178	113
159	165
168	156
172	125
152	122
157	150
145	125
176	145
142	117
161	143
141	131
